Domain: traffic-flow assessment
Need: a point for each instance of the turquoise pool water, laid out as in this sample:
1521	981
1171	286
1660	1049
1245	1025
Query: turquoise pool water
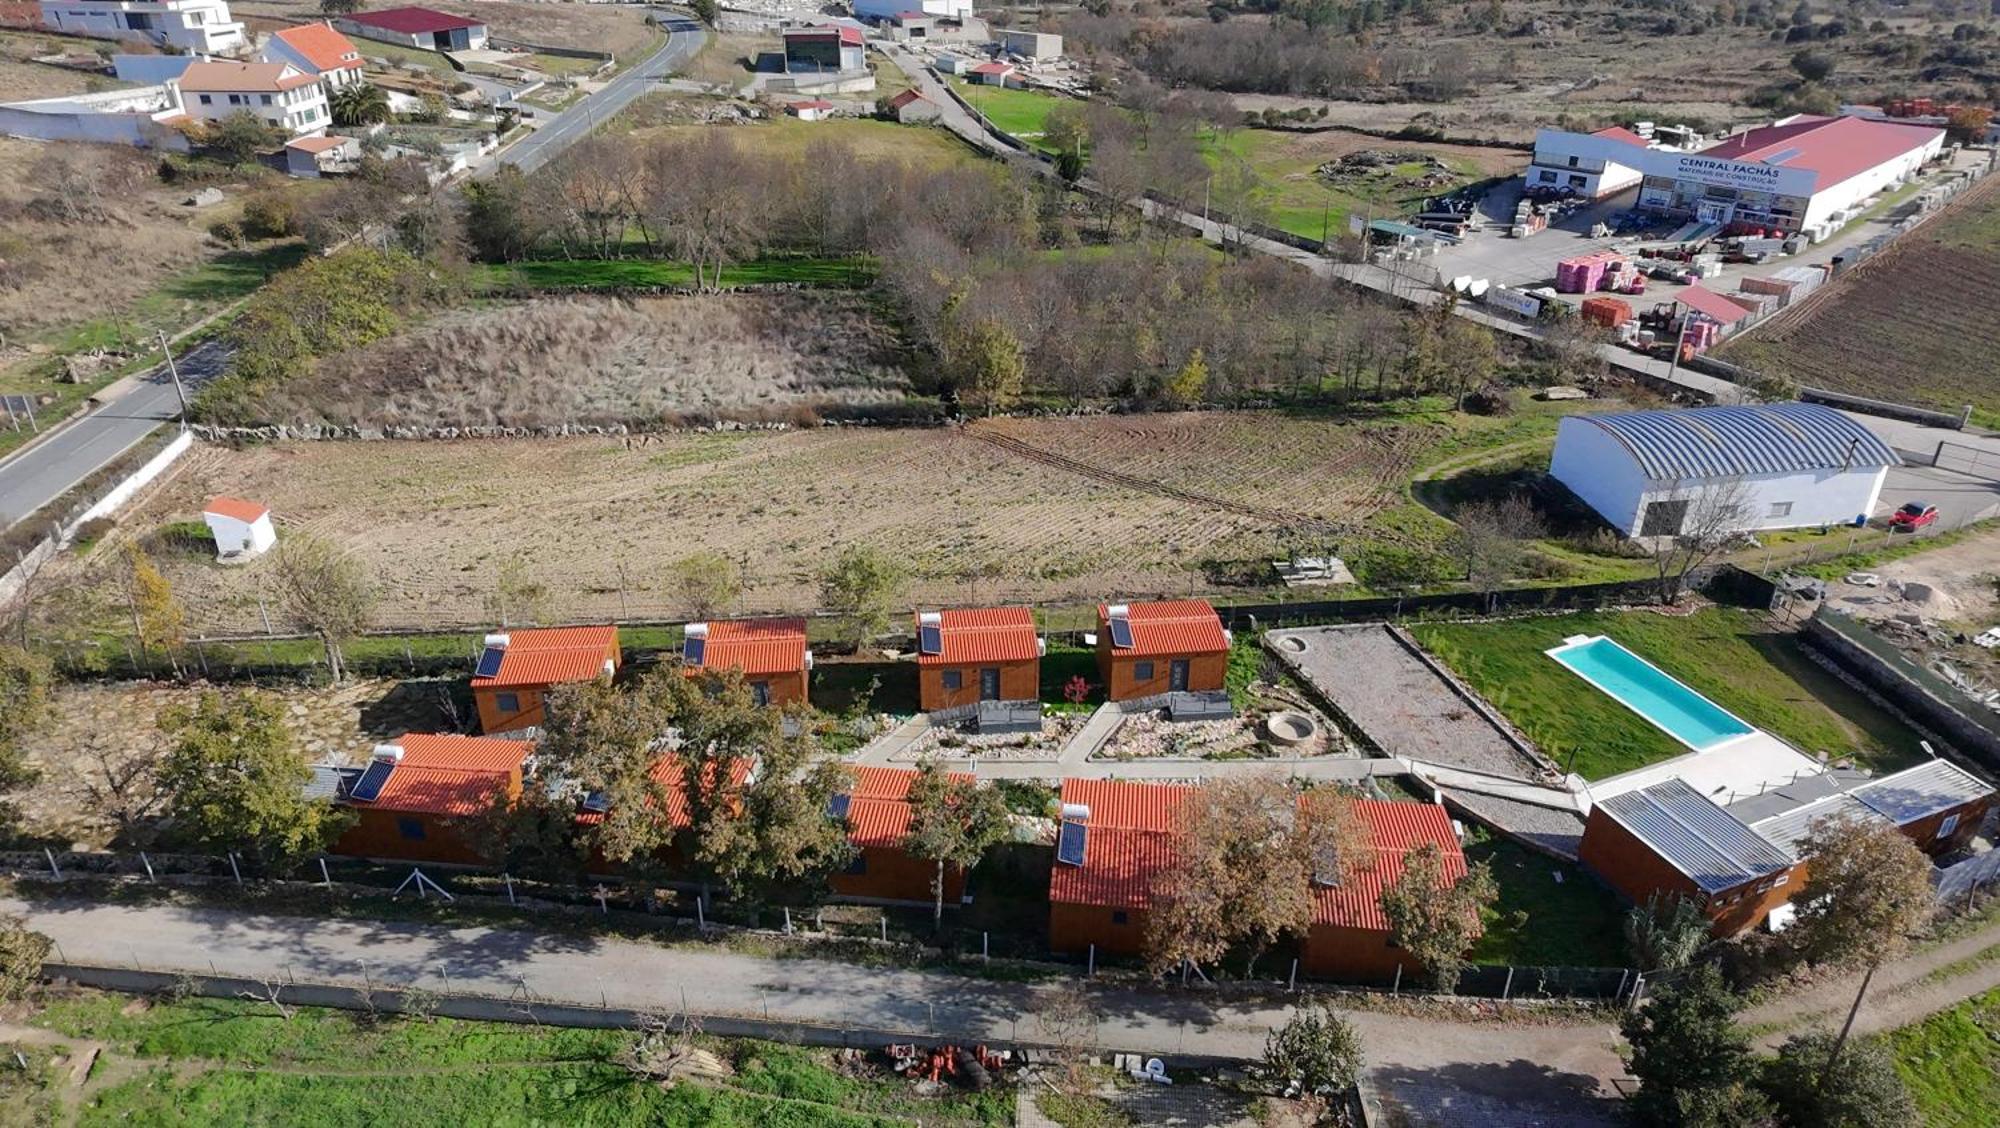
1645	689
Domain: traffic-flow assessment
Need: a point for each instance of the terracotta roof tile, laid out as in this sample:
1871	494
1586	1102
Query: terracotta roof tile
553	656
243	78
236	508
987	634
413	20
1130	806
878	811
1835	149
1119	867
322	46
1398	829
1184	626
758	647
442	774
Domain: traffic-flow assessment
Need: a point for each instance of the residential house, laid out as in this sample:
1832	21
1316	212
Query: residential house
876	809
424	28
670	773
241	529
1350	935
308	157
517	668
317	49
991	74
910	108
973	655
816	109
1148	649
1670	840
284	96
1114	840
413	800
824	50
200	26
771	654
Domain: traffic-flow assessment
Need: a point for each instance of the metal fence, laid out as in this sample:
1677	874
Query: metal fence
1964	459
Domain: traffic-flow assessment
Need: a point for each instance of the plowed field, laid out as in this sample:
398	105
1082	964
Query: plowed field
1914	325
1034	510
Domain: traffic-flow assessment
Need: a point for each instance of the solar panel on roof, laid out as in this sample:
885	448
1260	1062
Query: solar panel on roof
1121	633
930	639
836	807
693	649
489	662
597	801
1072	843
368	788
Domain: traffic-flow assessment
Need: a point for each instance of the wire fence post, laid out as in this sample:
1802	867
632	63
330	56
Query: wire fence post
1090	968
53	867
1396	988
148	863
885	926
1292	984
234	869
510	888
1507	988
324	873
986	946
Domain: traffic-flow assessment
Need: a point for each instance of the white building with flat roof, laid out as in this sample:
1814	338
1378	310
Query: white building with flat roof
201	26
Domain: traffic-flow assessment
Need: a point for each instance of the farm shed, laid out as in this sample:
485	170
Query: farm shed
973	655
425	28
771	654
877	812
1115	839
817	109
824	50
1781	466
878	10
908	26
309	157
1670	840
991	74
911	107
1148	649
412	798
1349	937
517	668
241	529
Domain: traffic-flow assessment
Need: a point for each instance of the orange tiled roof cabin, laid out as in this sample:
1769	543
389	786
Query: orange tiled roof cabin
772	655
411	801
1148	649
877	811
667	771
517	668
1350	935
1115	839
983	654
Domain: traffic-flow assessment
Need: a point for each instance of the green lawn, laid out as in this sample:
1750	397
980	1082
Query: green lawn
591	274
1539	921
213	1061
784	136
1951	1062
1731	656
1293	198
1018	112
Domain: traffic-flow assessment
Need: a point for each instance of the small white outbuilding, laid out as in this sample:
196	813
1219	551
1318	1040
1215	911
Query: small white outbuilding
1775	466
241	528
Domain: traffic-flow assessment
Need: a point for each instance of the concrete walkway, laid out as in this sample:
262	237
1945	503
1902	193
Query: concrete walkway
885	748
1535	1070
1094	734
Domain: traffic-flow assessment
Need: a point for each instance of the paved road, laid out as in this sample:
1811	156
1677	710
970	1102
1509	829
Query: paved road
684	38
1525	1075
50	468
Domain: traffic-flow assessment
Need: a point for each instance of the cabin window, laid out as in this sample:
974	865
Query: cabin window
859	865
760	692
953	679
1781	509
1142	671
1949	824
1120	916
1782	881
412	829
507	702
207	100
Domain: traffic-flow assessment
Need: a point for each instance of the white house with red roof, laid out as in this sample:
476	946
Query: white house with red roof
425	28
309	157
200	26
280	93
317	49
815	109
1805	173
241	529
991	74
877	11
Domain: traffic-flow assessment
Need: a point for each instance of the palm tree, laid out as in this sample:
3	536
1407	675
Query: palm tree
360	103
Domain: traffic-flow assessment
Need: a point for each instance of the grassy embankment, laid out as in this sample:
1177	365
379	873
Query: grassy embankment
1731	656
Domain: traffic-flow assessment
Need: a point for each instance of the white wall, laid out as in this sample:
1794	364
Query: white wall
125	117
192	25
1599	470
1856	190
298	111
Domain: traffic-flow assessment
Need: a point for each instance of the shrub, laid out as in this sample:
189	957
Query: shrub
271	215
92	531
227	232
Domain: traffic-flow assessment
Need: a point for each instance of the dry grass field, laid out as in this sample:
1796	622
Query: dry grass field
22	79
592	27
608	360
1037	510
1914	325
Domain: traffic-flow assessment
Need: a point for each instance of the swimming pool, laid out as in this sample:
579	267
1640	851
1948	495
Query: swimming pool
1647	690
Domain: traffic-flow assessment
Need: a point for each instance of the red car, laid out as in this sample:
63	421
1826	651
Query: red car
1912	517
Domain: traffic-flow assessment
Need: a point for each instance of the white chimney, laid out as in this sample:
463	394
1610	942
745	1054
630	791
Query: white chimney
610	667
930	618
809	659
392	753
1118	611
1076	812
499	639
695	630
1041	648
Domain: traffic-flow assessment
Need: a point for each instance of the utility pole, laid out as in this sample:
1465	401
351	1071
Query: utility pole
175	372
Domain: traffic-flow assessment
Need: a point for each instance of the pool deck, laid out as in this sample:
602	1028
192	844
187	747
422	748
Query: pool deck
1736	769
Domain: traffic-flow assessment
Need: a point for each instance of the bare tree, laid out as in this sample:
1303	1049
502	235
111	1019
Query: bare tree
324	592
1492	538
704	196
1712	514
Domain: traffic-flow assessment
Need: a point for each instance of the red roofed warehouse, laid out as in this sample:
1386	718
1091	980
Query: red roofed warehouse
1147	649
877	811
413	798
517	668
771	654
986	654
427	28
1115	839
1349	938
317	49
824	50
